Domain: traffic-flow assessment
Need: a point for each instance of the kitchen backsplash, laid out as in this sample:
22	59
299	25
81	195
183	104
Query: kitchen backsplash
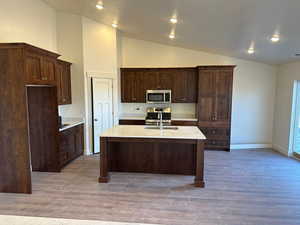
140	108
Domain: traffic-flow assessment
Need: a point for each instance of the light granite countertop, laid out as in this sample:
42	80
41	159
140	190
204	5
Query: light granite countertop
139	131
26	220
71	122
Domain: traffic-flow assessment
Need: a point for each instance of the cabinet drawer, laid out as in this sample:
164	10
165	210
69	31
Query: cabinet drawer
221	143
216	133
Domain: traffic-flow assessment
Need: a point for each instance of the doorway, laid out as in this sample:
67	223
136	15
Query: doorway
102	108
296	120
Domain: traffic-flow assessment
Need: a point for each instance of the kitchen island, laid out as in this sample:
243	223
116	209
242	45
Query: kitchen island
173	150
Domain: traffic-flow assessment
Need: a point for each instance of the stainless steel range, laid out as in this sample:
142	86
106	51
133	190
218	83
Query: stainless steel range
154	113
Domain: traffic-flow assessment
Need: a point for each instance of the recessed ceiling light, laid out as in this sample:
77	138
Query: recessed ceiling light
275	38
251	51
172	36
173	20
100	5
115	25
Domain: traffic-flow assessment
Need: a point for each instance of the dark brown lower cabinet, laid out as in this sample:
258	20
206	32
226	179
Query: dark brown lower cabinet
71	144
132	122
217	138
184	123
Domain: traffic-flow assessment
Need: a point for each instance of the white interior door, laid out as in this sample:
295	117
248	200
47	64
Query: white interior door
102	108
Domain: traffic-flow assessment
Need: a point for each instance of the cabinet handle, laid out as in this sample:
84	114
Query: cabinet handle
134	99
44	78
213	131
64	99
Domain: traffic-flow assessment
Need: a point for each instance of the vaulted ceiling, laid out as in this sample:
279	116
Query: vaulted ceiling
227	27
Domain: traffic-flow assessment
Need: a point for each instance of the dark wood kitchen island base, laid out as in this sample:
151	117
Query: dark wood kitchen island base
152	155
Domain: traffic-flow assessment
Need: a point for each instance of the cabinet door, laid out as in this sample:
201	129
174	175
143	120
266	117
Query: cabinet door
139	92
66	85
223	81
151	79
179	93
165	79
49	70
128	86
59	74
184	85
192	85
63	148
63	74
72	143
33	68
206	97
79	140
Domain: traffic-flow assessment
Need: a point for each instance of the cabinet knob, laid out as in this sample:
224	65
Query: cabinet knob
214	131
134	99
44	78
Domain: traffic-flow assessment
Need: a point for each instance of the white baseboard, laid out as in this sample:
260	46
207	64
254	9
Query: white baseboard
88	152
281	149
249	146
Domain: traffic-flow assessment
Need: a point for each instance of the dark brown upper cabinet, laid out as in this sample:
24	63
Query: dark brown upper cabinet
136	81
64	92
184	86
40	66
132	86
215	94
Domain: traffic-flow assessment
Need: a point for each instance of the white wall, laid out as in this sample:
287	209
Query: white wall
287	74
253	87
70	46
100	60
30	21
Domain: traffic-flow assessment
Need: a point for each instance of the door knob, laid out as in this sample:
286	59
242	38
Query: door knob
95	120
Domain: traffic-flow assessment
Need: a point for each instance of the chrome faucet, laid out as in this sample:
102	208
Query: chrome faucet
160	120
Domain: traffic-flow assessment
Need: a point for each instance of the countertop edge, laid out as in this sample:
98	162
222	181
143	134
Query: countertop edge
155	137
71	125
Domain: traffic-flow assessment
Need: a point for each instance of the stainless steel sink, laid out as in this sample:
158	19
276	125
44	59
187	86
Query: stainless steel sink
164	127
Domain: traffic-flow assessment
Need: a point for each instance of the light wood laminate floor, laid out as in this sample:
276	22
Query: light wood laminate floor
242	187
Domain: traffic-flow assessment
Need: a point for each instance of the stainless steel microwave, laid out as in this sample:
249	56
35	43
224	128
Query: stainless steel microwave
158	96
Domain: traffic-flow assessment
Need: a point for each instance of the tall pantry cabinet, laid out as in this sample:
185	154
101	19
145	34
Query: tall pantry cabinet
214	105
